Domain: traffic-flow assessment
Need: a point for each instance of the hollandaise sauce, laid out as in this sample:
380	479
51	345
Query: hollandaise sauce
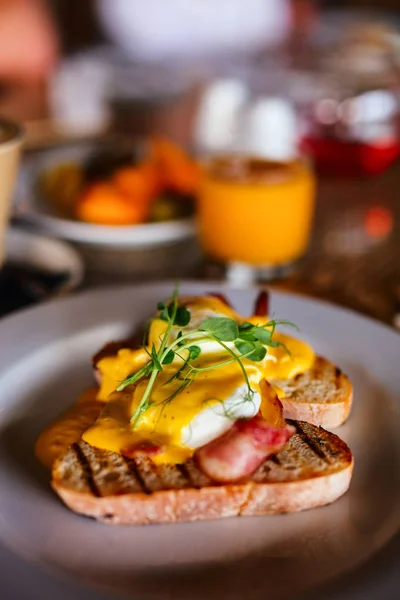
68	428
182	413
179	417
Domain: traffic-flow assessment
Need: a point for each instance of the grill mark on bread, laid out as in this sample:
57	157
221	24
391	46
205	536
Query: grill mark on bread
174	477
314	447
110	472
133	469
295	461
160	477
329	446
72	472
185	473
86	470
338	377
301	454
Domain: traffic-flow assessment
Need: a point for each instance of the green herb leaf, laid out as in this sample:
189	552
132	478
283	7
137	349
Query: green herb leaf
249	342
248	336
263	335
164	316
244	347
275	323
179	344
224	329
256	349
154	356
182	317
146	331
134	377
246	326
259	353
169	358
194	352
274	344
246	331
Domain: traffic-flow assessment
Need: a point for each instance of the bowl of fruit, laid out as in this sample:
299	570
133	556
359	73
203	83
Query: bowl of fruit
127	206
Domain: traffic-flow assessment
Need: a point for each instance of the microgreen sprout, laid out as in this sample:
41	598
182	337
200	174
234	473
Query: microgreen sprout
249	342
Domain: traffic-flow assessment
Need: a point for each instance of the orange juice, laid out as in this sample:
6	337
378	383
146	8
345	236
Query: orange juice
256	211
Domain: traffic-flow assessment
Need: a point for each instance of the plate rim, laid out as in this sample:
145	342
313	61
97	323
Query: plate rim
80	294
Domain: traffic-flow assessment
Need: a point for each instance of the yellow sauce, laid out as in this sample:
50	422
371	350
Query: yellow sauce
162	423
300	358
116	368
68	428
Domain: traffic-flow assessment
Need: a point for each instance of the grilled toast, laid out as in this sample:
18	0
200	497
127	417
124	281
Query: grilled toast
313	469
322	395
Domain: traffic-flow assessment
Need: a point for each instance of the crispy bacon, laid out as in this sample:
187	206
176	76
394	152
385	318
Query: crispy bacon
220	297
261	304
241	450
112	348
144	448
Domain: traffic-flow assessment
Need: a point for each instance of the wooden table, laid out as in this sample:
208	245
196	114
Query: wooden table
354	257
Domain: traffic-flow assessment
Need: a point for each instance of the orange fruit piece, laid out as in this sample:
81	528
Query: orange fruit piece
178	171
141	183
104	204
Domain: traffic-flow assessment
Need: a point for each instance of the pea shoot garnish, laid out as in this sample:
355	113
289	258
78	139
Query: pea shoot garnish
249	342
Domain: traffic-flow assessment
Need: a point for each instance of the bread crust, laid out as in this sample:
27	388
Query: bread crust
170	506
313	469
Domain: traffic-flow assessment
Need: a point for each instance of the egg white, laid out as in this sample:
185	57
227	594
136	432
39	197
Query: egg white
215	420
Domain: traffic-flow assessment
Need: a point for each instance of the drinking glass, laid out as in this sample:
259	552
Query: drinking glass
255	215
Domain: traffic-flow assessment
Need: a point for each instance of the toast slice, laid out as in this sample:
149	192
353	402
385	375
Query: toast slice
322	395
313	469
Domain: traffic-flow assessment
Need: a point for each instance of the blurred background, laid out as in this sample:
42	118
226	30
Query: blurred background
253	140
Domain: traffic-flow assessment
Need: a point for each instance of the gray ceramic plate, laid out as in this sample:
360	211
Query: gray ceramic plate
48	552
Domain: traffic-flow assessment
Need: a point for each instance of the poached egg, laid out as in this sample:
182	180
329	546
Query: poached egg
181	419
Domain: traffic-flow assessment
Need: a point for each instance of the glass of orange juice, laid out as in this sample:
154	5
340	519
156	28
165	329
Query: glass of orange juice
256	212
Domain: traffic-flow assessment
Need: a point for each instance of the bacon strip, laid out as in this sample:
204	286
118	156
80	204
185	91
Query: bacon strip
112	348
261	305
221	297
241	450
144	448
